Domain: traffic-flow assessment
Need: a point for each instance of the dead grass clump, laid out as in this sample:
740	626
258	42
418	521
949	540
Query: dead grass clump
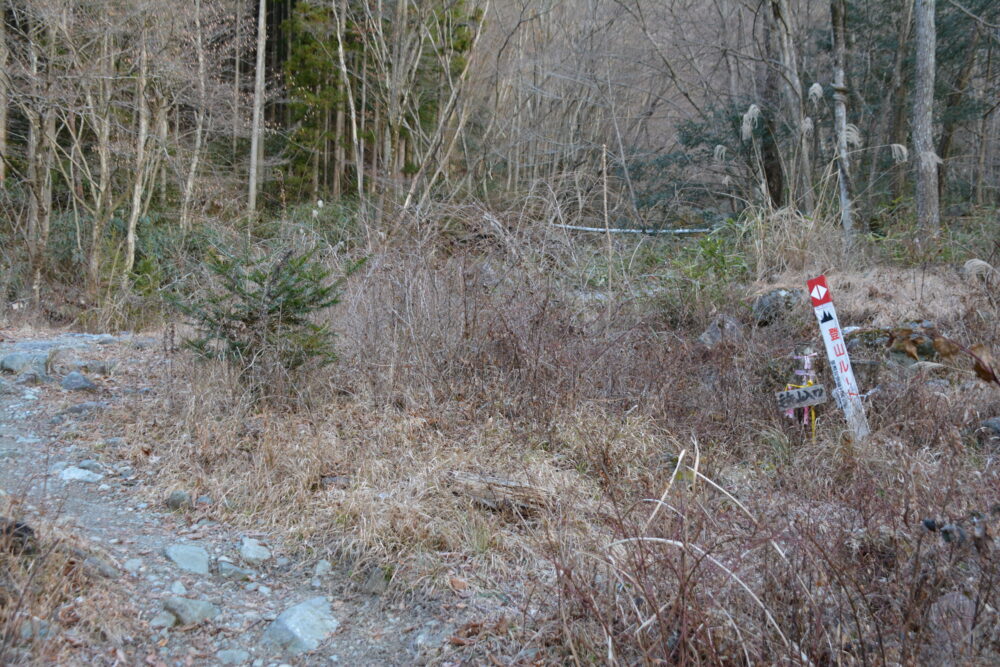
785	240
804	571
54	601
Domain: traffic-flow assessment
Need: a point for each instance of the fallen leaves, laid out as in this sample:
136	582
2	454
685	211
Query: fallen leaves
475	631
912	344
946	348
983	363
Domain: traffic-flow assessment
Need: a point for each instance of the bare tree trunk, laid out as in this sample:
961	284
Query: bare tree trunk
338	153
984	131
4	90
163	137
99	109
258	106
199	122
890	122
45	198
928	214
340	16
139	181
237	65
800	185
41	142
950	124
770	157
838	11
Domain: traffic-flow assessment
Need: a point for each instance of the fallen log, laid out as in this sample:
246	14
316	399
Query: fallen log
499	494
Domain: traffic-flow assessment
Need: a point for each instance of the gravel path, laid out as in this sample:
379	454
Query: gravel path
205	593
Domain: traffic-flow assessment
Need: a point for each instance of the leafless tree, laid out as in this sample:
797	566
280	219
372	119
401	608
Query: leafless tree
928	214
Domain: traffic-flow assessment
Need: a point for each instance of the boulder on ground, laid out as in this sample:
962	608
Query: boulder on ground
723	329
772	306
77	381
302	627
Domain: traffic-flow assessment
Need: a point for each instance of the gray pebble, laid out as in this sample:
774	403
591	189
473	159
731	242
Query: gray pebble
77	381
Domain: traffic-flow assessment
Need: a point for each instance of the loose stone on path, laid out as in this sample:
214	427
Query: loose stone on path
179	500
188	557
253	551
229	571
232	657
77	381
74	474
302	627
190	612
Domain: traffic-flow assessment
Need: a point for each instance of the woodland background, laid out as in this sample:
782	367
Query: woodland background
132	131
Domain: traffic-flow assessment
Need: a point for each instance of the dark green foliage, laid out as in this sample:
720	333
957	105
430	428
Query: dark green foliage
259	317
317	94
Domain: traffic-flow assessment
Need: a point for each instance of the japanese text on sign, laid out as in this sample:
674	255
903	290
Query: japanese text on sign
847	394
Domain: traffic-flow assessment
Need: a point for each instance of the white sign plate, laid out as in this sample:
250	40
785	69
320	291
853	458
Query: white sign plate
801	398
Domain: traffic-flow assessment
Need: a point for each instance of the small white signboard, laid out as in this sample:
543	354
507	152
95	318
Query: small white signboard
846	393
801	397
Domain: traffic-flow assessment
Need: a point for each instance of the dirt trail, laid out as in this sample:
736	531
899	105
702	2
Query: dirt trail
48	481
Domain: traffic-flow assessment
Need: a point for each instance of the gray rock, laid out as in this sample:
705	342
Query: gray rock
178	588
335	482
253	551
230	571
17	362
722	329
188	557
204	500
952	619
232	656
85	408
105	339
991	426
99	566
74	474
163	620
189	611
323	567
988	433
95	367
77	381
133	565
31	378
34	628
7	388
774	305
376	583
179	500
302	627
958	210
91	465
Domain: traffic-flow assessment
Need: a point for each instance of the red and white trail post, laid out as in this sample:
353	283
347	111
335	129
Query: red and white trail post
847	395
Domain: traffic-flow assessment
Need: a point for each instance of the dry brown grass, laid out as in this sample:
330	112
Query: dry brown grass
689	521
54	606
